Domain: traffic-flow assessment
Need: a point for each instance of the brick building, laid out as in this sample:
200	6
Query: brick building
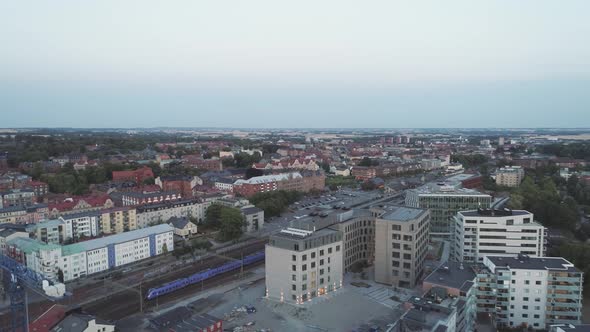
137	175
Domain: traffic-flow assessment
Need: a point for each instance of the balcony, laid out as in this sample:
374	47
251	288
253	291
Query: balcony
563	296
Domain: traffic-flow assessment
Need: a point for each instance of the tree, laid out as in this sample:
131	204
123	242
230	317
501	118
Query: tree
164	248
60	275
232	222
366	161
213	215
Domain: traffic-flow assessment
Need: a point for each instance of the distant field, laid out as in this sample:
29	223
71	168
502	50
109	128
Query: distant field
582	137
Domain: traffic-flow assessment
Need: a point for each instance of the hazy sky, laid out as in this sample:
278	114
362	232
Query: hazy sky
328	63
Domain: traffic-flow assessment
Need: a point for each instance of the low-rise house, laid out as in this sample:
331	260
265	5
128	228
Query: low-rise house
83	323
183	227
253	218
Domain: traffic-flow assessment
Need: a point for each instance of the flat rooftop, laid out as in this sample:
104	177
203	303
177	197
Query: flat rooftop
533	263
494	213
402	213
453	275
446	188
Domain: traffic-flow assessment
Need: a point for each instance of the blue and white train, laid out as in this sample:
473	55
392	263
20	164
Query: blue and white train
204	275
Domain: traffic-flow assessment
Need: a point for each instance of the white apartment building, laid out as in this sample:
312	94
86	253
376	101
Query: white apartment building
301	265
88	257
81	224
534	292
401	242
358	236
496	232
159	213
510	176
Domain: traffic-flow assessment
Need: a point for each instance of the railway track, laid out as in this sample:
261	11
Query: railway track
125	302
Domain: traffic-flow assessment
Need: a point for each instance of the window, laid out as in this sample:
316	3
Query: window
304	267
338	248
330	250
294	258
321	281
525	298
294	267
293	287
525	307
538	282
396	227
304	258
513	281
407	256
321	262
537	308
526	282
321	271
537	299
525	315
312	265
294	297
304	287
304	277
294	277
322	252
313	255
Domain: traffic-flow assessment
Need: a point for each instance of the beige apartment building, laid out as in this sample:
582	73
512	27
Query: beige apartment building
401	242
358	235
118	220
303	264
510	176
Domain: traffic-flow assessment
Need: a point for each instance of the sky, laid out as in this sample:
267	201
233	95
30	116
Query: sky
287	64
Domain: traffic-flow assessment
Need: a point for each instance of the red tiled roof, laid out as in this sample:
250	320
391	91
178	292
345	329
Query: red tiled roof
48	319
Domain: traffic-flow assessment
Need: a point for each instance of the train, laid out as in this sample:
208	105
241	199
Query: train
203	275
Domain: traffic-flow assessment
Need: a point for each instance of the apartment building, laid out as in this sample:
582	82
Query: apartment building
49	231
78	225
401	242
358	236
88	257
534	292
154	214
444	200
510	176
118	220
495	232
301	264
17	197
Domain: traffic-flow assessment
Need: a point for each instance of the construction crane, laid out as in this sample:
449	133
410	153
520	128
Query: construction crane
21	280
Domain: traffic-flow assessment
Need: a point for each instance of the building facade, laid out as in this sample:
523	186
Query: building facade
444	201
510	176
496	232
301	265
401	242
92	256
535	292
118	220
154	214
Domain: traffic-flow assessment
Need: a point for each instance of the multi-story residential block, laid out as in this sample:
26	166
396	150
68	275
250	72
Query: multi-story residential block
143	198
296	181
253	218
510	176
153	214
80	204
24	214
118	220
301	264
444	201
200	163
224	184
39	188
183	184
137	176
88	257
495	232
534	292
401	242
7	234
80	225
49	231
17	197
